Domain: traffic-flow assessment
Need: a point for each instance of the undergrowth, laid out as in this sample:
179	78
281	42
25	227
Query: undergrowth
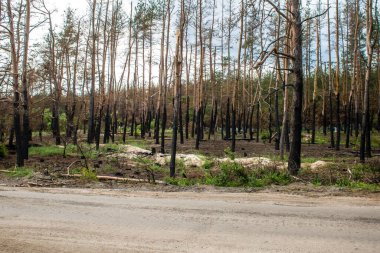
20	172
235	175
3	151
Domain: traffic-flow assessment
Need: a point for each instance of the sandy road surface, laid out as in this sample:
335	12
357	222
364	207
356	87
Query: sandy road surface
75	220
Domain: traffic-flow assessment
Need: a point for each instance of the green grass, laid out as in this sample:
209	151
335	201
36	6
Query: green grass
76	171
235	175
157	168
317	181
143	160
208	164
137	143
309	159
375	140
181	181
46	151
3	151
346	182
228	152
21	172
320	138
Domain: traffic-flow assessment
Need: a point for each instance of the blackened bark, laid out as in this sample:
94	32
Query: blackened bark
270	120
107	126
198	128
324	120
337	146
211	122
163	127
277	122
193	124
133	122
258	123
313	122
228	126
348	123
180	125
157	127
233	144
98	127
17	130
252	109
332	142
142	126
11	137
125	127
187	117
26	130
244	123
294	162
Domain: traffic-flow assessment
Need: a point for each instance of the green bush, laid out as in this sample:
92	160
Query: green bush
229	153
3	151
89	174
265	136
234	174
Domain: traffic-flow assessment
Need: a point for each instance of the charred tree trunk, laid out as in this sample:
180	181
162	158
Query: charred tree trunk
294	162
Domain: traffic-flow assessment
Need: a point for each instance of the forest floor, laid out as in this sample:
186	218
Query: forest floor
255	166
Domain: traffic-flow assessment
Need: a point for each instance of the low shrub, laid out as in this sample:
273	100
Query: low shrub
3	151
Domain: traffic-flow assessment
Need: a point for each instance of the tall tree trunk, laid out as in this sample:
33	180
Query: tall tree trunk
365	145
315	82
177	102
337	78
91	120
26	134
16	96
332	140
294	162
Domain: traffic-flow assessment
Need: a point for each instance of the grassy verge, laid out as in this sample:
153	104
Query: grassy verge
20	172
231	174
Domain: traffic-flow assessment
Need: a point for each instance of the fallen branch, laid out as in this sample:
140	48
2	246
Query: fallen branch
123	179
68	168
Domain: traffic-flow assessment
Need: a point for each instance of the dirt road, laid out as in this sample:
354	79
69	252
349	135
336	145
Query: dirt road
77	220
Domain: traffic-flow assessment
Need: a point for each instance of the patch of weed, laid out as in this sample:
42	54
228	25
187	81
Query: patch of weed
88	174
137	143
317	181
346	182
45	151
228	152
21	172
208	164
180	181
309	159
3	151
76	171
